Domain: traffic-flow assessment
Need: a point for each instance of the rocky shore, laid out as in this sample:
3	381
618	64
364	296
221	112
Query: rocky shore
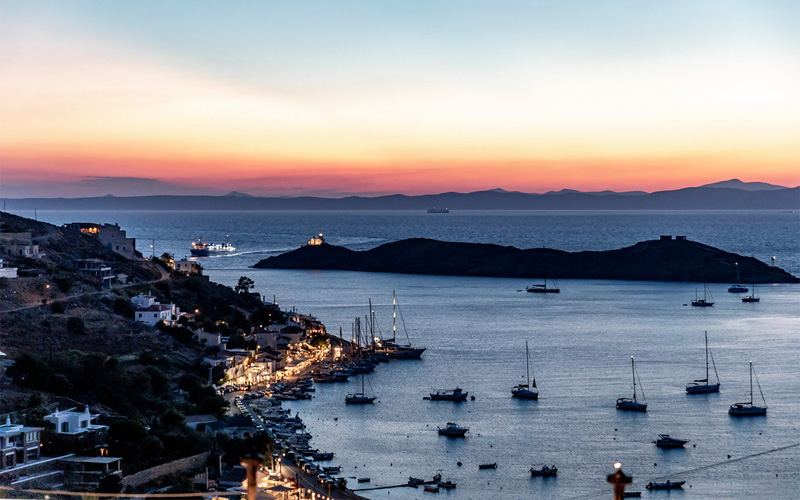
665	259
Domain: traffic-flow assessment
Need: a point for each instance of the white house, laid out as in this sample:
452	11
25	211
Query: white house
74	422
187	266
141	301
151	312
6	271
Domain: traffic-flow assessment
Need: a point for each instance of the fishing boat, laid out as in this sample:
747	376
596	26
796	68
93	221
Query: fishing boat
665	441
748	409
544	471
448	485
738	287
456	395
632	404
453	430
752	298
632	494
431	488
704	302
702	386
667	485
359	398
526	391
415	481
488	466
204	249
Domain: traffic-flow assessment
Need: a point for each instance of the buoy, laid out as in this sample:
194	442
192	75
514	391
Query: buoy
460	464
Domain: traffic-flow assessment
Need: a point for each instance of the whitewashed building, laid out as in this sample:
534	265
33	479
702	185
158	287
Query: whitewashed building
74	422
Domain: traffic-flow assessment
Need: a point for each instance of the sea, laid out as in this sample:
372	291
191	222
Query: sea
581	341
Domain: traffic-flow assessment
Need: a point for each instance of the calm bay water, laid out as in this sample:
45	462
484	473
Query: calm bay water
581	342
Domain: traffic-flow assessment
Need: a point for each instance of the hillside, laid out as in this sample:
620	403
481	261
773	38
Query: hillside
657	260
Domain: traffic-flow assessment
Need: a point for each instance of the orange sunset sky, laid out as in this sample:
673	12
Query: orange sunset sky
335	98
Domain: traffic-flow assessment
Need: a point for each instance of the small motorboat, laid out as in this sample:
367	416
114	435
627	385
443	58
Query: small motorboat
488	466
544	471
667	485
448	485
456	395
453	430
415	481
323	456
363	480
431	488
666	441
632	494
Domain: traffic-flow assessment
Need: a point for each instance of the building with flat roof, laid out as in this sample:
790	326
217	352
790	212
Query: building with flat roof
19	444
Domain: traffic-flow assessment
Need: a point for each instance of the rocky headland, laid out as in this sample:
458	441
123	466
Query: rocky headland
654	260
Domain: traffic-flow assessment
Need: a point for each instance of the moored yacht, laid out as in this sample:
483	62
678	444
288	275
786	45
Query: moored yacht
667	441
452	429
529	390
751	298
359	398
706	301
632	404
703	385
738	287
748	409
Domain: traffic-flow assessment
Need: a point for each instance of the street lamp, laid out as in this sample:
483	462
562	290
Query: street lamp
620	480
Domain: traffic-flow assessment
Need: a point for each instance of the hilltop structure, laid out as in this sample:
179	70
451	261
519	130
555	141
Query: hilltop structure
111	236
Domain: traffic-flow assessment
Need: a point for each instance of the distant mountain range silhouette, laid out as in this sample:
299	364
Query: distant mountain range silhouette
732	194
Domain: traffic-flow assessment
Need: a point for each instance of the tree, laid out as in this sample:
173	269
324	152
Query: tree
245	285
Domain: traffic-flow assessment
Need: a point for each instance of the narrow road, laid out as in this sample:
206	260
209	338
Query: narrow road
164	275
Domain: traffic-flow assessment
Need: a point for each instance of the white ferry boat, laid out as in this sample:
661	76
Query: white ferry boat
204	249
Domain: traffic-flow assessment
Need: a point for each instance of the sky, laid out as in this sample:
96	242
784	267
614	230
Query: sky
332	98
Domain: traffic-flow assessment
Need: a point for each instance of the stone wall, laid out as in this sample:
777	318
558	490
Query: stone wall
148	475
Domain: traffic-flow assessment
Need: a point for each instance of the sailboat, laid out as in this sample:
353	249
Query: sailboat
390	348
526	391
359	398
702	386
737	288
632	404
704	302
748	409
542	287
751	298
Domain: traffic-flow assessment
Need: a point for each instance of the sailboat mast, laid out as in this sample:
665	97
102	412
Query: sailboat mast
706	356
633	373
394	315
527	364
751	382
